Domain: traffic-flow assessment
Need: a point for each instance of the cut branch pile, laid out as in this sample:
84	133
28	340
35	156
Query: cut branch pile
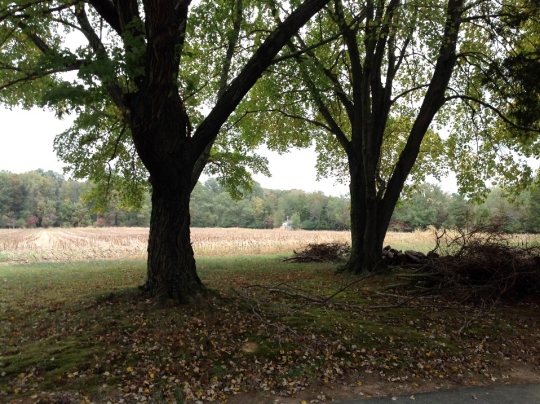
321	252
477	267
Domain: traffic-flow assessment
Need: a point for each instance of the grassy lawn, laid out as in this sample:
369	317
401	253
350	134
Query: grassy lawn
81	332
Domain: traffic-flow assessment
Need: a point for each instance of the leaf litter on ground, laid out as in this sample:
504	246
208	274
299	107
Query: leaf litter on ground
87	335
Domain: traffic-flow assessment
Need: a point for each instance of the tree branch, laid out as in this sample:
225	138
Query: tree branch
225	73
40	43
302	118
106	9
113	88
307	49
338	89
249	75
494	109
17	13
410	90
37	75
356	73
433	100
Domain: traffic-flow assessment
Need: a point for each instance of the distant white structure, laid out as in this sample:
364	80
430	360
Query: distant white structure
287	224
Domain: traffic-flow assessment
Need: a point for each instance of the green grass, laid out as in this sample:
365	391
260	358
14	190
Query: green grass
84	327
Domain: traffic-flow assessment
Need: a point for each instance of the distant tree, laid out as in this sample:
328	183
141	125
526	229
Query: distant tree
32	221
80	217
460	213
278	218
6	196
65	211
46	212
296	221
268	222
425	206
339	213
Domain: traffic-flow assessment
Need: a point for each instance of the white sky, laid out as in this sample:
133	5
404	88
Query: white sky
26	143
26	140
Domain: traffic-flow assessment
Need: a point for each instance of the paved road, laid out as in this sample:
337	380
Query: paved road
506	394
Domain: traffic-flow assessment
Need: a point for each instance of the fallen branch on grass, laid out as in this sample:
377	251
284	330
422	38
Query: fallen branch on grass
279	327
326	301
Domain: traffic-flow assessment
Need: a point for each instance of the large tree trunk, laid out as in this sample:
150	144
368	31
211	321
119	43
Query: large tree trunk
165	149
171	271
358	218
372	247
367	224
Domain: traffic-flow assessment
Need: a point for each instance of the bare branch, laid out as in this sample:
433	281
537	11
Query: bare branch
37	75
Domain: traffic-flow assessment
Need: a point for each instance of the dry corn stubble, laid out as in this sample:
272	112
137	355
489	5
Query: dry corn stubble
61	244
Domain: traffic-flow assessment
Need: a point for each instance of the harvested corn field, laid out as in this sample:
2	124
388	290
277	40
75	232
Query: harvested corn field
258	241
58	244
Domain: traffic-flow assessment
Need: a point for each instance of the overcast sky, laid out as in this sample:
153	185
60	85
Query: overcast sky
26	143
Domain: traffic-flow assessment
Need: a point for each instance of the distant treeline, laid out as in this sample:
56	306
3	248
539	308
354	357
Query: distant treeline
45	199
430	206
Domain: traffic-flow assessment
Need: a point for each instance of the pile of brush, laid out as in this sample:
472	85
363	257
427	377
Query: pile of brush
329	252
394	257
477	266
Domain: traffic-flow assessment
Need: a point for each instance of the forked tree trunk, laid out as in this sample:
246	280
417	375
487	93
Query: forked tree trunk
366	241
371	209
